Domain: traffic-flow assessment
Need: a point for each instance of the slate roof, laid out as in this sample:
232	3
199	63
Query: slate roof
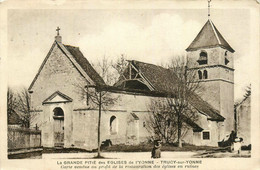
165	80
85	65
195	126
79	61
209	36
156	75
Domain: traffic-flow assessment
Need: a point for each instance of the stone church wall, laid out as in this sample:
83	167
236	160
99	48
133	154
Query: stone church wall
80	121
212	127
128	130
243	112
227	105
218	88
85	129
58	74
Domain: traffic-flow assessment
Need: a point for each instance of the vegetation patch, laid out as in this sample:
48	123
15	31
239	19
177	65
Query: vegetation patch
63	150
147	147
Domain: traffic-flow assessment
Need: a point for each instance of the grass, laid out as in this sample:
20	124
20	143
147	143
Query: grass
144	147
147	147
63	150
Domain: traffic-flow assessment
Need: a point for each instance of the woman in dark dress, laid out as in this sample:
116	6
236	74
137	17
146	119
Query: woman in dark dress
156	151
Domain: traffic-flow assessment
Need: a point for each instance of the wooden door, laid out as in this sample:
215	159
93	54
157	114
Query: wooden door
58	132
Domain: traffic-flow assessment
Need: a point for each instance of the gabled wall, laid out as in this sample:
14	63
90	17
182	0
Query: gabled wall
58	74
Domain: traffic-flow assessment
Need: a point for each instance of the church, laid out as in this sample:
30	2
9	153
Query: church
67	117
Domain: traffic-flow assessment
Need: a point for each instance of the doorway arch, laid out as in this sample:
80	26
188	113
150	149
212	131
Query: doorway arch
58	126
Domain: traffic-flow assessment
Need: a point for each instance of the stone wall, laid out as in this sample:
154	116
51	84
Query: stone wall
243	112
21	138
218	88
128	129
216	56
58	74
213	127
80	120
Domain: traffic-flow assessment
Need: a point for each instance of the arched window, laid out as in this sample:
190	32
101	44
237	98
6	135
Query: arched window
226	53
203	58
58	113
113	125
205	74
226	60
200	74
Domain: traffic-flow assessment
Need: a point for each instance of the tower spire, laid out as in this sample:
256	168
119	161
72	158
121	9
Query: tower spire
209	8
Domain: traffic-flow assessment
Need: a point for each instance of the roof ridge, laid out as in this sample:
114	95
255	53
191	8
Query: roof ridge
70	46
151	64
209	37
213	27
85	65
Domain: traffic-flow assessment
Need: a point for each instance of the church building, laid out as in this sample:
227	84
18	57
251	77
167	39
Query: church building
67	117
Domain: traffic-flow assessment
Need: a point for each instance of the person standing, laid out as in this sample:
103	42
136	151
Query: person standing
156	151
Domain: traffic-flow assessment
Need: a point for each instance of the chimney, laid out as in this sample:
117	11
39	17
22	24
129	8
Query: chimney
58	37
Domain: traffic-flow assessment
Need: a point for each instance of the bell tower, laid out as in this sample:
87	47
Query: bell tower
211	58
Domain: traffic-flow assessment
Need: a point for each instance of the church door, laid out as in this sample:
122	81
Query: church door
58	127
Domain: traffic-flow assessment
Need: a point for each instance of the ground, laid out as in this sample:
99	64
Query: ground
143	155
137	152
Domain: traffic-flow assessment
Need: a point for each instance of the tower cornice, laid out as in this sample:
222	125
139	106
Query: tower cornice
211	66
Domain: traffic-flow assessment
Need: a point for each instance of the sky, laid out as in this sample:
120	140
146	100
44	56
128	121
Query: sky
148	35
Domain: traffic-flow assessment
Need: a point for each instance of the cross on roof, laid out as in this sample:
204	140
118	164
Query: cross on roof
209	8
58	29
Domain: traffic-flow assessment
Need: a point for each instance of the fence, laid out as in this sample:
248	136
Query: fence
23	138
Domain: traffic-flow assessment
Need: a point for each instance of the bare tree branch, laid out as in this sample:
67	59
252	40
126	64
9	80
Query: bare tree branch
169	112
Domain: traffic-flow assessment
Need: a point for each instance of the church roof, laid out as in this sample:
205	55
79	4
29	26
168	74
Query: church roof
209	36
85	65
156	76
194	125
165	81
79	61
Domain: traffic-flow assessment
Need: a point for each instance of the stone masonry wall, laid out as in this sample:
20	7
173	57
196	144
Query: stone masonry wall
58	74
244	121
218	88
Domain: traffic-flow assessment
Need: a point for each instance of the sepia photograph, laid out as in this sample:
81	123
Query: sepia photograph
167	86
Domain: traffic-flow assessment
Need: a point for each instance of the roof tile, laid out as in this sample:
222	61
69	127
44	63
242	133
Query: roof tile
165	80
209	36
85	65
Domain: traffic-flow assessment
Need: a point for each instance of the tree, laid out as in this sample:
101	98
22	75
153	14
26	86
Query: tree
248	91
109	71
160	121
120	65
237	103
168	112
19	103
11	104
